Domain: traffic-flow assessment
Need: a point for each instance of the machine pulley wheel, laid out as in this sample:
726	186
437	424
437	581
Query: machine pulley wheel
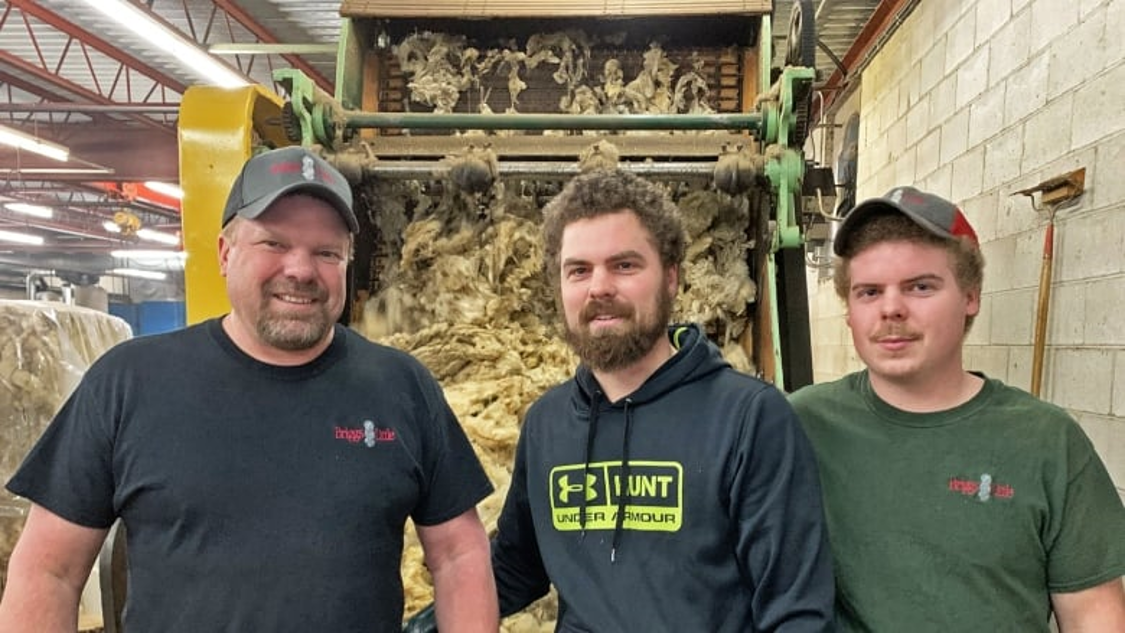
801	40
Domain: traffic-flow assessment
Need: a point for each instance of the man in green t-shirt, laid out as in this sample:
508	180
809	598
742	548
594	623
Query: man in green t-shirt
954	502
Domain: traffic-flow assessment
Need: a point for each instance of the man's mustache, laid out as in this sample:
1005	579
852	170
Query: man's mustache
596	309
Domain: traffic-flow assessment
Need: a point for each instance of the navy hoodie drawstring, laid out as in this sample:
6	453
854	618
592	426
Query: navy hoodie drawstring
591	432
623	496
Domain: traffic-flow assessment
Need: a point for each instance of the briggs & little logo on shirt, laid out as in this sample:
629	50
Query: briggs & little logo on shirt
369	434
983	488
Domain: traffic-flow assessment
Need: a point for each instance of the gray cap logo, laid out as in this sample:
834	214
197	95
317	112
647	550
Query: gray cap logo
308	169
289	170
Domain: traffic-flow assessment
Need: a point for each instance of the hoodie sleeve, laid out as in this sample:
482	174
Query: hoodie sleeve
782	540
520	576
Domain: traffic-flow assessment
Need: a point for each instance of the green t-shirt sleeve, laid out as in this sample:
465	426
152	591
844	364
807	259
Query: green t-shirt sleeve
1087	548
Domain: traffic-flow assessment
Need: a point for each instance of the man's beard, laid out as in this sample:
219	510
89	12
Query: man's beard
610	350
295	333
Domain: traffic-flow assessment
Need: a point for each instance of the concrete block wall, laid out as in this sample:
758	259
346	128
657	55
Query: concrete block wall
975	100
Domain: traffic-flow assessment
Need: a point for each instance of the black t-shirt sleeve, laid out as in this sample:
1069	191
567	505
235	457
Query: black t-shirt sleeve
455	479
68	471
521	577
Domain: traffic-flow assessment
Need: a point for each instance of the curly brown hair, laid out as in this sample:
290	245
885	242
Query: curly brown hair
603	191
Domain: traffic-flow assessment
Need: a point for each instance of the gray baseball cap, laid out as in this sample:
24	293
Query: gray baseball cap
933	213
279	172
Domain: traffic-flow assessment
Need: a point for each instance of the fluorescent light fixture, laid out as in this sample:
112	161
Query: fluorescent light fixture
164	188
157	236
155	274
187	53
272	49
20	238
30	209
22	140
139	274
139	254
145	234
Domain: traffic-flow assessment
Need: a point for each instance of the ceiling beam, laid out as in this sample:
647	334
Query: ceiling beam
135	155
880	24
13	70
92	108
33	8
44	81
59	227
249	23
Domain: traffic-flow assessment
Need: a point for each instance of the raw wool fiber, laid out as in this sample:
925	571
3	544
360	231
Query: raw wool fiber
715	281
467	298
45	348
452	72
463	291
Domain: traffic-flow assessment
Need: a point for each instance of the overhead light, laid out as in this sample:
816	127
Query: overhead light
20	238
185	52
30	209
140	274
164	188
22	140
271	49
139	254
151	235
157	236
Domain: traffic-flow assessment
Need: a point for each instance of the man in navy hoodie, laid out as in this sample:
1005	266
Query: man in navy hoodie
660	489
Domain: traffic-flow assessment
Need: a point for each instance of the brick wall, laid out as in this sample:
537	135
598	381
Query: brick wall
974	101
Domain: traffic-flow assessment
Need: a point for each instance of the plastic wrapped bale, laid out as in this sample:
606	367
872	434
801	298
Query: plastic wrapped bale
45	348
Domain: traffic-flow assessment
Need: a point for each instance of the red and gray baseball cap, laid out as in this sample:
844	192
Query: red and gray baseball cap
280	172
933	213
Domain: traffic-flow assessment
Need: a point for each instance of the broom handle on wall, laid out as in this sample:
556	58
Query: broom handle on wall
1040	343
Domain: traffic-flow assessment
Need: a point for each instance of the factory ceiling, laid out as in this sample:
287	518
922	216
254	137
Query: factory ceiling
73	76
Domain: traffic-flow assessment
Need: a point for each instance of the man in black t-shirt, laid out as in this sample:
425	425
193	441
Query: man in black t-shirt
264	463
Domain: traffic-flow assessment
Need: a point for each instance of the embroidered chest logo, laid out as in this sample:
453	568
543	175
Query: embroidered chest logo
656	496
370	434
983	488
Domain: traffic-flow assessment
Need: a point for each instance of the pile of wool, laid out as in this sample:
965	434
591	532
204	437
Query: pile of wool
443	69
715	283
465	296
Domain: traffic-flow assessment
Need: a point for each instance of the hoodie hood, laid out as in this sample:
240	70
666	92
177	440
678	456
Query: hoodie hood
695	358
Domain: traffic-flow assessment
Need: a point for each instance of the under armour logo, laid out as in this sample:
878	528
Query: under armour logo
566	488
